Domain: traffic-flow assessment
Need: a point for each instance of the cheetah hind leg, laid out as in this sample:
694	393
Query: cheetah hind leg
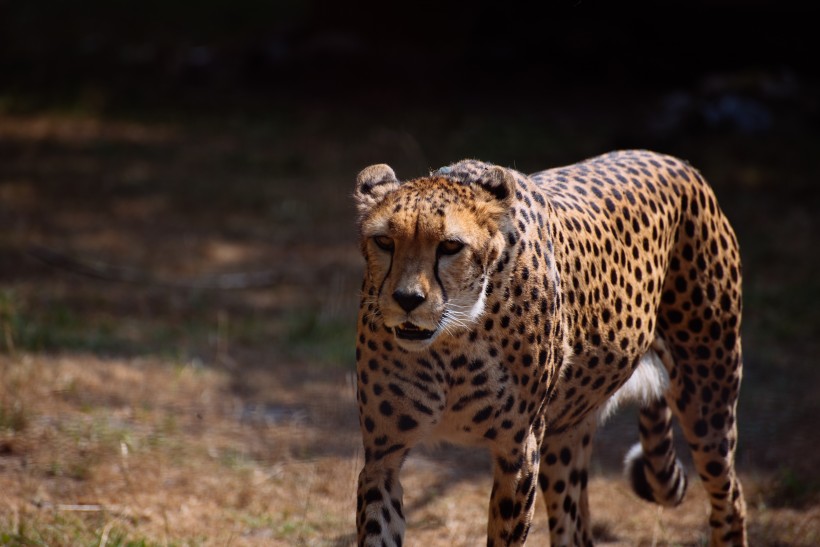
652	467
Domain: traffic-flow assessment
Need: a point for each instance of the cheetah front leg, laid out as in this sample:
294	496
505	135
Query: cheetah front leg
562	479
513	495
393	419
380	518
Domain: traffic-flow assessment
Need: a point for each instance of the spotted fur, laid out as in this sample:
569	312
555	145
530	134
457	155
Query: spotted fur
504	310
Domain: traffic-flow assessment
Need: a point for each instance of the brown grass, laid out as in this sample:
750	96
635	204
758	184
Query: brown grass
164	452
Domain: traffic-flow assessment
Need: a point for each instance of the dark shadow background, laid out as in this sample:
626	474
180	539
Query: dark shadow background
266	110
216	53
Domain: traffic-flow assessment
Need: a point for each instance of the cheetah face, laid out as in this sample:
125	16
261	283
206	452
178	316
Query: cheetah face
430	245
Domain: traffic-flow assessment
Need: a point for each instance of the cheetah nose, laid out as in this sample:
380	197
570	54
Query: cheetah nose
408	301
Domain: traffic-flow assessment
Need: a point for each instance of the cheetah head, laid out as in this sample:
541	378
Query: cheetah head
430	246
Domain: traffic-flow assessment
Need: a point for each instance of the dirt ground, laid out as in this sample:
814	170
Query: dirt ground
163	412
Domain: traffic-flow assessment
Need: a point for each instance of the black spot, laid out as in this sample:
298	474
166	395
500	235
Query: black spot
372	495
458	362
406	423
505	508
518	532
566	456
386	408
701	429
662	448
714	468
397	507
638	478
729	341
510	467
483	414
543	481
706	394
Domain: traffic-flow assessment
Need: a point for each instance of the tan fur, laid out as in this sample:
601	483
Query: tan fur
505	310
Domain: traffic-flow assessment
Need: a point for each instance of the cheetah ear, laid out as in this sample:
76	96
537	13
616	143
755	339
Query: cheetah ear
500	183
372	184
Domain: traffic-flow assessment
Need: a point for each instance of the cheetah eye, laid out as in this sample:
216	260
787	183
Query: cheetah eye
384	243
450	247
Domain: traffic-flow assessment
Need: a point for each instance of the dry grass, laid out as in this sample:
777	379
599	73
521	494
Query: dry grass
110	451
156	450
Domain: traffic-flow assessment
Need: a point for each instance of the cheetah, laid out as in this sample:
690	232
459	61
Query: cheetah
513	311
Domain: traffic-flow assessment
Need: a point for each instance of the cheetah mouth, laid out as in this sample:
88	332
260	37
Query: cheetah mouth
409	331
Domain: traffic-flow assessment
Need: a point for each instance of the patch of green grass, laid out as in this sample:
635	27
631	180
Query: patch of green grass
13	416
791	488
292	528
71	532
55	327
9	320
235	459
326	340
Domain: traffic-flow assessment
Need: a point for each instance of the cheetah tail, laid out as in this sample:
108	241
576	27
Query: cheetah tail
651	466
